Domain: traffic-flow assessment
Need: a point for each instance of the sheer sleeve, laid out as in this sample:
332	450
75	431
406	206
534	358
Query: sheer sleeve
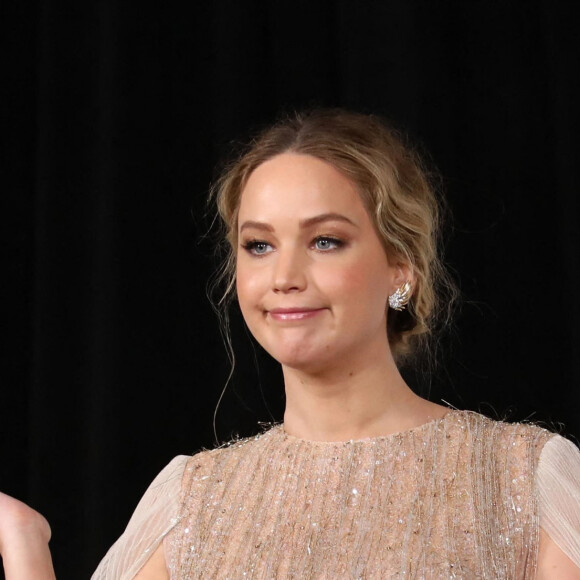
558	483
156	514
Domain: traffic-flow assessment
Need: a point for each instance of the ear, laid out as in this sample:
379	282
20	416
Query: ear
401	272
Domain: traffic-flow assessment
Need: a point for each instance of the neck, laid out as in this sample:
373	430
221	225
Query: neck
352	402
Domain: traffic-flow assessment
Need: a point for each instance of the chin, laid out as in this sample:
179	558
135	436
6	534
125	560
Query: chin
301	359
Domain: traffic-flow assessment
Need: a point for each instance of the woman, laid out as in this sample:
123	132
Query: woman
332	227
332	231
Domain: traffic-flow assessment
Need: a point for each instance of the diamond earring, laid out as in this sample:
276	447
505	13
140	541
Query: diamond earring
400	298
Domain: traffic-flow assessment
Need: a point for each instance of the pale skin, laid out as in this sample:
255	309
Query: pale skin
313	280
24	537
313	290
314	247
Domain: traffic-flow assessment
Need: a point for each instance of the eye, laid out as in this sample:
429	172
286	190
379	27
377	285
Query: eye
257	247
325	243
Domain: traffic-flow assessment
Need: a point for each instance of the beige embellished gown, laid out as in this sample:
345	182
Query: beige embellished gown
459	497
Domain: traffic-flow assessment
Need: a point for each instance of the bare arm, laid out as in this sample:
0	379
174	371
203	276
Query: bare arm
155	568
553	564
24	536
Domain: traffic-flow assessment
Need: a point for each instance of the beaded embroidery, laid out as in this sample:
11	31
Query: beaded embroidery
453	498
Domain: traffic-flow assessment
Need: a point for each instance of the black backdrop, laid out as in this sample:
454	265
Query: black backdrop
117	114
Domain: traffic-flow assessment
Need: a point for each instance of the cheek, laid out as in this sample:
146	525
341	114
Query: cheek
361	287
360	277
248	288
242	291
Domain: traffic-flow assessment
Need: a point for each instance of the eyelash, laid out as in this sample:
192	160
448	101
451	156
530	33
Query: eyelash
338	243
251	245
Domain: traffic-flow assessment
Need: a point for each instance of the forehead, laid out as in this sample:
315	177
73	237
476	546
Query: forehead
294	185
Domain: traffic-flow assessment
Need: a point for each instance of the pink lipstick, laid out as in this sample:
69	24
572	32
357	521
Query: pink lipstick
291	314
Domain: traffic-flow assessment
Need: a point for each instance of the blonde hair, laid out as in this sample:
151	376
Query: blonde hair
397	192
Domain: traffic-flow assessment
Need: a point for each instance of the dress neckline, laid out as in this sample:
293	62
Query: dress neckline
432	423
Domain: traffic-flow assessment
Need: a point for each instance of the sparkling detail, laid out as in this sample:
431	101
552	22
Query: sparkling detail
400	298
437	501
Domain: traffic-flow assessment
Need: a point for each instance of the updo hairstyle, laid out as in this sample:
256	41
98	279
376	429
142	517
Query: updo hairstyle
394	187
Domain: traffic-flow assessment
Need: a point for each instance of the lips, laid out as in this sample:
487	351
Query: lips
292	314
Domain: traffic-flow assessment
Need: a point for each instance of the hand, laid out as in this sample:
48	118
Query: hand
24	537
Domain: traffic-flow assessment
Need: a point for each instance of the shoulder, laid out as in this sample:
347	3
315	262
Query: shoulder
507	453
513	437
200	466
559	469
559	451
172	471
164	491
502	459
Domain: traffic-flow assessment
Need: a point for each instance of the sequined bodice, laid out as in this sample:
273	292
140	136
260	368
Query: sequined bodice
451	499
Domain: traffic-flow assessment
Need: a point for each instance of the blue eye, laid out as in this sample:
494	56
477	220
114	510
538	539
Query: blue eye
257	248
325	243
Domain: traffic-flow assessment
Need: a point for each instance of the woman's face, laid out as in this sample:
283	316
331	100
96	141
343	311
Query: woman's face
312	275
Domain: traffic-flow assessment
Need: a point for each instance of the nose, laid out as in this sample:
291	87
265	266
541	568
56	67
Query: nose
289	272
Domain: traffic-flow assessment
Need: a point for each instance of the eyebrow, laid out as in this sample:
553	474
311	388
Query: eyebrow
317	219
